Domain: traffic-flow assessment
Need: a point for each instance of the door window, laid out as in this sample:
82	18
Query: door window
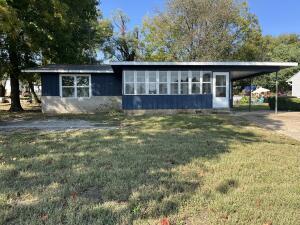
221	86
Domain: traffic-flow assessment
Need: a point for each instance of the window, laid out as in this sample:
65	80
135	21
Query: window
196	82
184	83
129	82
166	82
163	82
174	83
221	86
152	79
206	83
140	82
75	86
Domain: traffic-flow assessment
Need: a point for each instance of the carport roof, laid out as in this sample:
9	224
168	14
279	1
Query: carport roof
238	70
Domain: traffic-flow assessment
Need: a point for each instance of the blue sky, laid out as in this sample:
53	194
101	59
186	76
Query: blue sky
275	16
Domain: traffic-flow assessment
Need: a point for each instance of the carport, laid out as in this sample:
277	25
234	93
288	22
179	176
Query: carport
249	70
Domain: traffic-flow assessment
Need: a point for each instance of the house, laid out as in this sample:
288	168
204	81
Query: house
295	82
23	87
131	86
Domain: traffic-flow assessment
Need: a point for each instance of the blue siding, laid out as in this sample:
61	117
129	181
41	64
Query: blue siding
50	84
131	102
106	85
102	84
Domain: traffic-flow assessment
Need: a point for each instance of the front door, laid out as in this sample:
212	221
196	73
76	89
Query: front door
220	90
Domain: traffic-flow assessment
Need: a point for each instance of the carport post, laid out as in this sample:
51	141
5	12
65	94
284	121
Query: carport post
250	96
276	95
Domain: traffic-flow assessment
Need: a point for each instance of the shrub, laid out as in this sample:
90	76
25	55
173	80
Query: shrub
285	103
244	100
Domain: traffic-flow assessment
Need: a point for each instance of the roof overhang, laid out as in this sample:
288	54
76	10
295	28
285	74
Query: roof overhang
70	69
238	70
277	64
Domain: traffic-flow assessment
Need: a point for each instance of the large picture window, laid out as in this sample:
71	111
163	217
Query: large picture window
75	86
167	82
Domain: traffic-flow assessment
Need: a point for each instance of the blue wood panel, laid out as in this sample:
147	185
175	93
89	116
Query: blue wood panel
50	84
131	102
106	85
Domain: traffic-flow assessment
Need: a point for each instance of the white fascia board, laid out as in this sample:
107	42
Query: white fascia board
279	64
65	71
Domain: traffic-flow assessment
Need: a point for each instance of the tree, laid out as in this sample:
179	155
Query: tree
48	31
199	30
284	48
123	44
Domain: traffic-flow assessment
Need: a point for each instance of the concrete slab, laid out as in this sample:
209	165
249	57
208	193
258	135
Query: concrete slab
53	124
287	123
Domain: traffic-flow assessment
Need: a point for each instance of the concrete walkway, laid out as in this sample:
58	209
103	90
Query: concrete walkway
53	124
287	123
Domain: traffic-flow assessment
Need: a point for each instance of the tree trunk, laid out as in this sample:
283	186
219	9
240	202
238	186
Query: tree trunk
2	90
33	94
15	105
14	72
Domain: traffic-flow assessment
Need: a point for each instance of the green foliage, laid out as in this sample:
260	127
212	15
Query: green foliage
285	103
244	100
49	31
123	44
284	48
202	30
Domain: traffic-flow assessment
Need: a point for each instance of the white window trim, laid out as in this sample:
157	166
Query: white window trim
75	86
168	82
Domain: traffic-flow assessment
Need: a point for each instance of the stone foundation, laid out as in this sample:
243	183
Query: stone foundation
55	105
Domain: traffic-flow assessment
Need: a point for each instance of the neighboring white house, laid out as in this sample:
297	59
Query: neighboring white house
22	87
295	82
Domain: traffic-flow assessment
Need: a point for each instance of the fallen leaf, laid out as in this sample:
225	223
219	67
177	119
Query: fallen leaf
165	221
268	223
44	217
74	195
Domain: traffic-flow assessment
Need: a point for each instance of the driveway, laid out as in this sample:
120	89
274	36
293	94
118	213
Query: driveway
53	124
287	123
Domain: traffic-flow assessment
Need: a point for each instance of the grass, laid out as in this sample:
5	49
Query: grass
186	169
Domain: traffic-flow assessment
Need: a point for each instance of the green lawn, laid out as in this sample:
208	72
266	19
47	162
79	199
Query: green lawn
190	169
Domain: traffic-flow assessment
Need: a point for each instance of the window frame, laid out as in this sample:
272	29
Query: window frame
75	85
205	82
169	81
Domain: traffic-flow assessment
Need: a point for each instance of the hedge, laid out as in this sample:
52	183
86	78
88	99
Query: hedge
285	103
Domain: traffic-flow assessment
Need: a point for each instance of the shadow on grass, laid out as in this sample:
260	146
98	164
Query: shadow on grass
146	170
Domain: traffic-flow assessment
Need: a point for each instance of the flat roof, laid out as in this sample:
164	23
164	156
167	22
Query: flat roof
238	70
57	68
272	64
